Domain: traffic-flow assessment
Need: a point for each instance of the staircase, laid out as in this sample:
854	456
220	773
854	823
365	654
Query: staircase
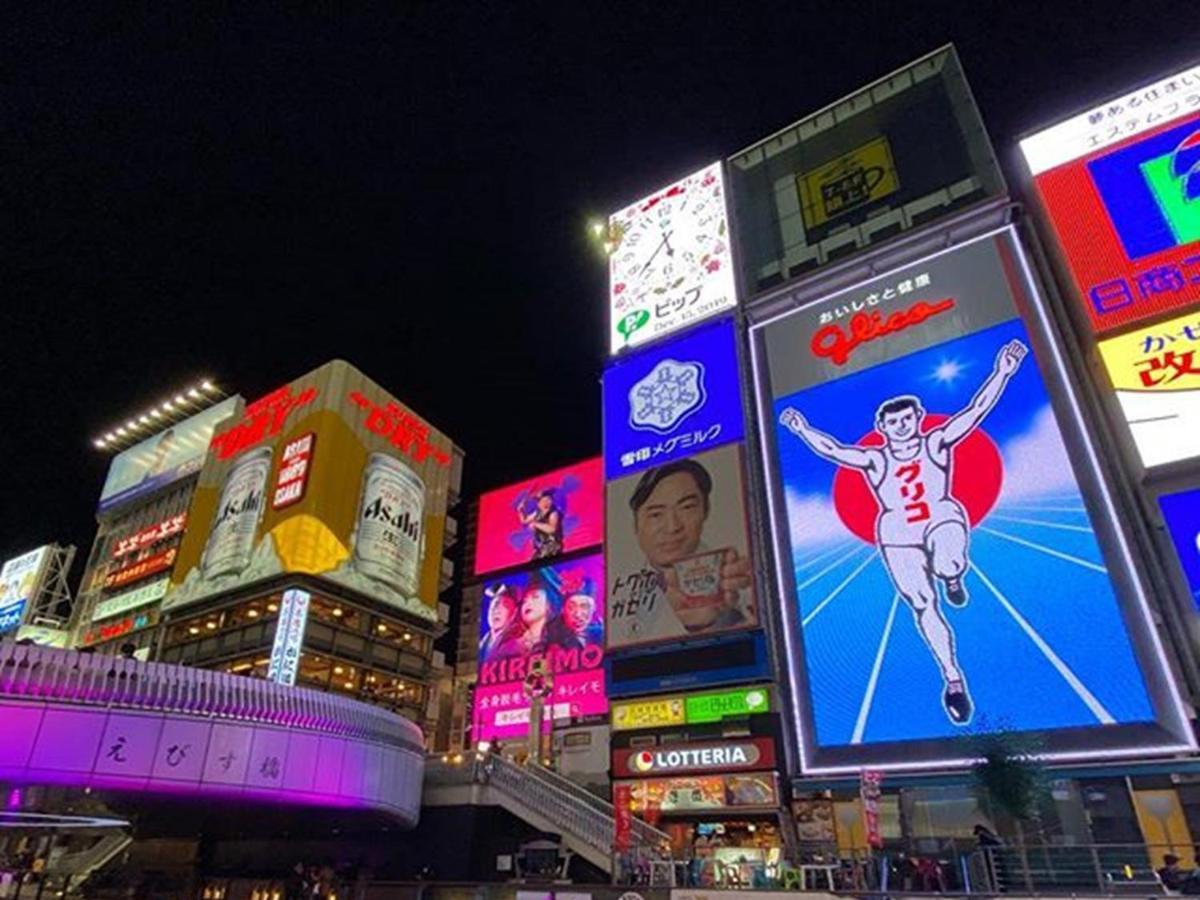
544	799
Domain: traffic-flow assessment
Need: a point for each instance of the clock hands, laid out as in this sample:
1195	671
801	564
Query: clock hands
665	242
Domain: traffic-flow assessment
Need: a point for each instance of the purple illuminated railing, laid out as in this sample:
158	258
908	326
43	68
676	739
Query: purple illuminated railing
69	677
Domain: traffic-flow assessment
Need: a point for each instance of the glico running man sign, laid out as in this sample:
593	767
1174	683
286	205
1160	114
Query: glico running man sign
936	549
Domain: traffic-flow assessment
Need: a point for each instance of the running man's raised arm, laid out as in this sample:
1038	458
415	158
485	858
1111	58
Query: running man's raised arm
822	444
963	423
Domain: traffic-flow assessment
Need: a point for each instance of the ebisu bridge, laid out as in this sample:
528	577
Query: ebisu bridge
110	724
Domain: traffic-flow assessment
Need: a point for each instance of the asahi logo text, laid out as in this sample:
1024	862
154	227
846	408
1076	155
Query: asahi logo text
235	508
402	521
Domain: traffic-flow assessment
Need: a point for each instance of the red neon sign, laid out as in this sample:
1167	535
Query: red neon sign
263	418
835	344
294	464
405	431
152	535
151	565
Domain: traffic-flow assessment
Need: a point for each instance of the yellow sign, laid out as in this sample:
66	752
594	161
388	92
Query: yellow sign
862	176
328	476
648	714
1161	357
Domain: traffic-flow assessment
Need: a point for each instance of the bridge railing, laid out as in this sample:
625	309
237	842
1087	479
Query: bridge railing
67	676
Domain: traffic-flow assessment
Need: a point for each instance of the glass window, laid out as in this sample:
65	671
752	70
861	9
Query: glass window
314	670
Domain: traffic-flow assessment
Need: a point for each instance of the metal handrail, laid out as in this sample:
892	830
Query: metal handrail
73	678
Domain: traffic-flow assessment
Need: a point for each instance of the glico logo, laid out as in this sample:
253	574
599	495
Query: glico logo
1185	165
830	341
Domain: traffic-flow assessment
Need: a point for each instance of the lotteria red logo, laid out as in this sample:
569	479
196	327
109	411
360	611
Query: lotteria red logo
834	343
731	756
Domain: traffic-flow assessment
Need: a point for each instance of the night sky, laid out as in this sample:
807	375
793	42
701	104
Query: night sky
189	194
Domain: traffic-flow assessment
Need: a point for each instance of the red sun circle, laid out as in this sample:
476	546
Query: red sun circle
976	475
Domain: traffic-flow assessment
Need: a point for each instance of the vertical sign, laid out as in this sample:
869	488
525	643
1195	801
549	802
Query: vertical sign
289	635
870	791
622	816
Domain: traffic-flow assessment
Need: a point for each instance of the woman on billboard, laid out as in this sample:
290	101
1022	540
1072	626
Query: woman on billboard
545	525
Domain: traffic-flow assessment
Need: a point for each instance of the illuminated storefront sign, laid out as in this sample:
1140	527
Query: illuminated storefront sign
1120	184
143	568
370	514
725	756
678	552
164	458
292	478
927	471
119	628
541	518
698	793
502	711
43	636
20	581
139	596
147	537
1181	512
673	401
289	637
690	709
1155	370
670	265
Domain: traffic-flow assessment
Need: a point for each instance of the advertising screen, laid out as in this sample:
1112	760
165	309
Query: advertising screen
171	454
670	264
679	551
700	662
371	514
541	518
898	154
1181	513
1155	370
690	709
20	579
1120	185
672	401
552	613
931	520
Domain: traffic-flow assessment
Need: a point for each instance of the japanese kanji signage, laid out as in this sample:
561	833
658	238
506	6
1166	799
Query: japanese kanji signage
679	551
1155	371
147	537
1120	185
328	476
143	568
289	637
672	401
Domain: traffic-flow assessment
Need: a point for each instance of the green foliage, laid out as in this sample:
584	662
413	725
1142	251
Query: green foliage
1009	777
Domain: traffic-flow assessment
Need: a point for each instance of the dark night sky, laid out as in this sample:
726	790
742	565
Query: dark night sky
190	193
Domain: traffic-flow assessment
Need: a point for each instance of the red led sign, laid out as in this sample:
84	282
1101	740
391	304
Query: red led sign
294	465
835	344
263	418
143	568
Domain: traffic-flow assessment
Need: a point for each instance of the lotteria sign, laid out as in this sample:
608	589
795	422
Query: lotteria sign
727	756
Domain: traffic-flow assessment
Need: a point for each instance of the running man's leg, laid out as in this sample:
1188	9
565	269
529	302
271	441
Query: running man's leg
909	568
947	545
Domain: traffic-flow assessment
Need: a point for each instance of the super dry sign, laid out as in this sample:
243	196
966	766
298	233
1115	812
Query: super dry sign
680	759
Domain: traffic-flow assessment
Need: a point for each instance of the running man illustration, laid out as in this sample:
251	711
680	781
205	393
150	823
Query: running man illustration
922	531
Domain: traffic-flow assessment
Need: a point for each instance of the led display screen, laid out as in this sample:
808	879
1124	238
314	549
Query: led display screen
1181	512
934	535
541	518
553	613
1120	185
672	401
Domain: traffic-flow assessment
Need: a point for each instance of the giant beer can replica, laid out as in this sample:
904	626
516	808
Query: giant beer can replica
231	541
388	538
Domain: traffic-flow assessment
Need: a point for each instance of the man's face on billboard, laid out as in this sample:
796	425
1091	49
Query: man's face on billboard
533	606
501	613
901	424
577	612
670	523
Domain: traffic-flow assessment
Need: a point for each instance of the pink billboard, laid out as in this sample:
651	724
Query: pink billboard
541	518
554	614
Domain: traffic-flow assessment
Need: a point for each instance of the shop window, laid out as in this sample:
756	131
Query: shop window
385	655
314	670
350	645
942	812
317	636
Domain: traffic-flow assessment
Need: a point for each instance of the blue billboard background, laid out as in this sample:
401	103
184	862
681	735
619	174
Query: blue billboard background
671	401
10	616
1040	600
675	667
1182	515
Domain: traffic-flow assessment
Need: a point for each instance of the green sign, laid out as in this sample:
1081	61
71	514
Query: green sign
719	705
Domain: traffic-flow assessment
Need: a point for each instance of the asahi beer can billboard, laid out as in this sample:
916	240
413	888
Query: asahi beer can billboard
372	515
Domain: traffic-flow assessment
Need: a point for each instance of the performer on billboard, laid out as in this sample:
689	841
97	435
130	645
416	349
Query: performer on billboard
545	525
922	531
501	615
